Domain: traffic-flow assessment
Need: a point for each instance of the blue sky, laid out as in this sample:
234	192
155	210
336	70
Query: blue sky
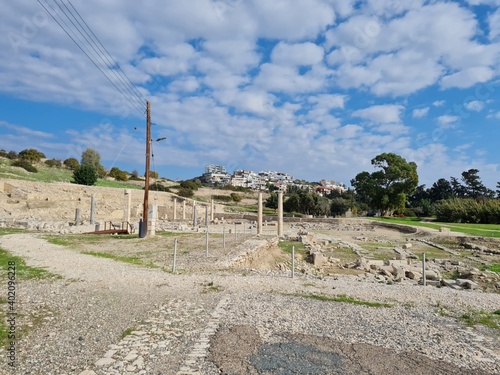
313	88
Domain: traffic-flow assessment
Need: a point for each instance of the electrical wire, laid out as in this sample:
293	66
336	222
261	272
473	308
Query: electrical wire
139	109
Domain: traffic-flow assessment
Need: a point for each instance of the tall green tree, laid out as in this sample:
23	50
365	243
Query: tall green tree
387	189
93	158
498	189
474	187
85	174
440	190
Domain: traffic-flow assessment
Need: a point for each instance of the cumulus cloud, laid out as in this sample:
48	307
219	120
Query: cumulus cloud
475	105
382	114
420	112
447	121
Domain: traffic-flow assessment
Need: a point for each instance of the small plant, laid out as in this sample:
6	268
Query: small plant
344	299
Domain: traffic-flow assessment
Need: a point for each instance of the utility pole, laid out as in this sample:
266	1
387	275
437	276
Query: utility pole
148	154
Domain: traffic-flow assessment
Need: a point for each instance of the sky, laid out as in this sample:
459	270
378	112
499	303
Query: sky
312	88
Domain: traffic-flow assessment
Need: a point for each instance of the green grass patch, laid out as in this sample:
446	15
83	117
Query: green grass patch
131	260
342	298
119	184
482	230
488	319
5	231
286	246
23	271
494	268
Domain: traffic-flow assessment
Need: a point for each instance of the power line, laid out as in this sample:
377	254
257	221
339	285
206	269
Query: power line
139	109
108	54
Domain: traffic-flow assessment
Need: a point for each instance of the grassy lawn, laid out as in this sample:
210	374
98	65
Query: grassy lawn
483	230
286	246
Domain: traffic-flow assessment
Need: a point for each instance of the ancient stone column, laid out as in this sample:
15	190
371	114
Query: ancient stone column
259	214
194	215
175	209
184	209
152	215
128	203
280	214
92	209
212	211
206	215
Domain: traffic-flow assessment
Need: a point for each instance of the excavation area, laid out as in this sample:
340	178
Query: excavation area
228	301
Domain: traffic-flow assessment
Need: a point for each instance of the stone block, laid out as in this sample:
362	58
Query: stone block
319	259
413	275
467	284
407	246
432	275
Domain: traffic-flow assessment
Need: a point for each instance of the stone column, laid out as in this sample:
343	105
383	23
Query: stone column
175	209
206	215
152	214
128	203
184	209
280	214
194	215
259	214
92	209
212	211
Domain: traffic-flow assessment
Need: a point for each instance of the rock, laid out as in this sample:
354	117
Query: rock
467	284
413	275
319	259
432	275
87	372
407	246
450	283
104	362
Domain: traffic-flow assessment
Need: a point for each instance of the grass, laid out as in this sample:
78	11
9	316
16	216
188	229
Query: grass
119	258
5	231
494	268
488	319
286	246
482	230
23	272
342	298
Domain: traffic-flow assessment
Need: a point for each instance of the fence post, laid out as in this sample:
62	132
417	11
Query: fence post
206	243
293	261
235	235
175	255
424	281
224	237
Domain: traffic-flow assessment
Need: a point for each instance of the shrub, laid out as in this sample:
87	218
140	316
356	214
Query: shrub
186	193
12	155
236	197
485	211
222	198
53	163
25	165
3	153
31	155
71	163
189	184
158	187
118	174
85	175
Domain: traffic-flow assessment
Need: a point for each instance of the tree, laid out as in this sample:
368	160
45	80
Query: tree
498	189
387	189
71	163
440	190
459	191
474	188
12	155
272	201
53	163
3	153
339	206
85	175
31	155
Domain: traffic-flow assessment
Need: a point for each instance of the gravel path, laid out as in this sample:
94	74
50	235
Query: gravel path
106	317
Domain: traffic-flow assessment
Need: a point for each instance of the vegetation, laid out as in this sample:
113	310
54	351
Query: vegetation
387	189
222	198
469	210
25	164
185	192
488	319
31	155
53	163
343	299
158	187
71	163
118	174
85	174
93	158
286	246
131	260
236	197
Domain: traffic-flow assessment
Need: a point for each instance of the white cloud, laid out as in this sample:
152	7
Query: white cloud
382	114
467	78
494	25
420	112
475	105
447	121
439	103
297	54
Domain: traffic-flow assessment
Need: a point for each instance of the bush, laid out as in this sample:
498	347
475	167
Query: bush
25	165
118	174
71	163
12	155
3	153
186	193
222	198
31	155
236	197
456	210
85	175
158	187
189	184
53	163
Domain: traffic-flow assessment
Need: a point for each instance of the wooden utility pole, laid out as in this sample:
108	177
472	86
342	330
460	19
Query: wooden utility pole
148	154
